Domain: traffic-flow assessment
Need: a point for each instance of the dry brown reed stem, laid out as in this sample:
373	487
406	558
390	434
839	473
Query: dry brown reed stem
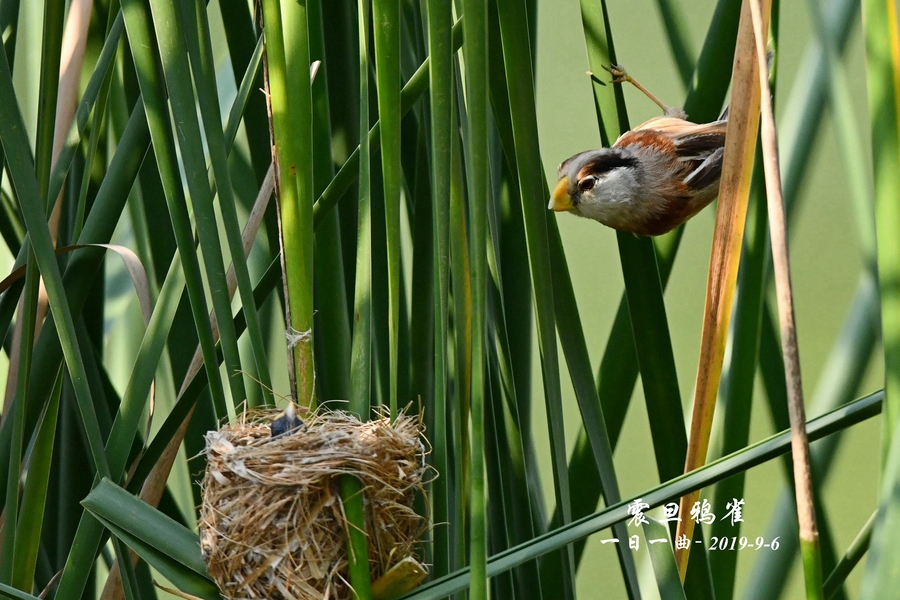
272	523
806	512
71	61
731	213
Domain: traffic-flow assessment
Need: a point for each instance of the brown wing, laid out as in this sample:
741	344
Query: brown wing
699	148
702	147
707	172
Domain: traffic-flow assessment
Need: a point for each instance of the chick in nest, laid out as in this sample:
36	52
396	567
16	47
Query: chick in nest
288	422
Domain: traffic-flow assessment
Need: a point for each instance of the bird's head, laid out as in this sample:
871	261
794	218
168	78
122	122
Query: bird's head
287	422
596	183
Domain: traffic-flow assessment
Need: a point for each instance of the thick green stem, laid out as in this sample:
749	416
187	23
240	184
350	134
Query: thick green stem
441	83
386	15
361	352
357	544
476	55
291	108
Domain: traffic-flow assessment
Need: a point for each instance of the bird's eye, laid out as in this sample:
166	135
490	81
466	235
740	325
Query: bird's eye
587	184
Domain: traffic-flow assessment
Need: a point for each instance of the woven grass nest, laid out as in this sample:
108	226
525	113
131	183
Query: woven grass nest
272	523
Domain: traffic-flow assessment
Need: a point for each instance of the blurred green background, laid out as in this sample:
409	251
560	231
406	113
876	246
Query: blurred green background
826	265
825	262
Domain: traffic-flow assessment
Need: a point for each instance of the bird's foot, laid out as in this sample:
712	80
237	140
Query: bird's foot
620	75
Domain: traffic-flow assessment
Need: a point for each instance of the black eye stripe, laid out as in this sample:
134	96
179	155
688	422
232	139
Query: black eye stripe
605	160
608	162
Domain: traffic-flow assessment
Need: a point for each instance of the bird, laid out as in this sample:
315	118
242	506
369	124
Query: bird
288	422
653	178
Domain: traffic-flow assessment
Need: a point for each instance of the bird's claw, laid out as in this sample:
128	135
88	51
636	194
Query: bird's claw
618	72
621	76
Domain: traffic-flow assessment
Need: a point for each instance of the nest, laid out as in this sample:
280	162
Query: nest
272	522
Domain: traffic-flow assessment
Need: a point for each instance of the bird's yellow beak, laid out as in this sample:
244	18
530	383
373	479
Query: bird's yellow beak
560	199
